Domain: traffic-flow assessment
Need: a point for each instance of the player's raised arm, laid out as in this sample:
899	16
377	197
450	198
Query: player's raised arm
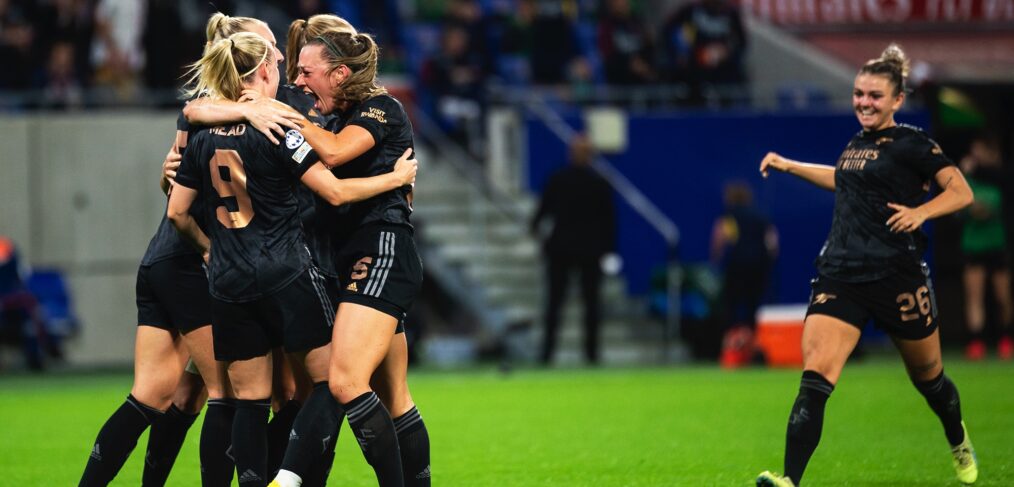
340	191
820	175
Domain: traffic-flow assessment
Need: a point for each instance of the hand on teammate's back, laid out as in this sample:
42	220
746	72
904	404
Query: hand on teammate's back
406	167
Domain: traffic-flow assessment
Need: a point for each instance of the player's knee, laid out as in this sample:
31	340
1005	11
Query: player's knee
924	371
153	397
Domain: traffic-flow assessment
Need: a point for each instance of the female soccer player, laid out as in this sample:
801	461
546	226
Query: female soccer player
317	218
389	381
174	318
265	290
871	265
379	268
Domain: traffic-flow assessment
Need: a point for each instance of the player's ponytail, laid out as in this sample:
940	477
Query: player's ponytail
221	26
893	64
294	41
301	31
226	64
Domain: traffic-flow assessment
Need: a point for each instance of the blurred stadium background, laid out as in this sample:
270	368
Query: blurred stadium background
680	97
679	101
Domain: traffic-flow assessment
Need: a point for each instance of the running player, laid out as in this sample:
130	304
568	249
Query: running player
379	268
265	290
871	265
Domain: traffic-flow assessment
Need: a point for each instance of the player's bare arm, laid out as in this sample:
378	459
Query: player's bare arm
340	191
267	115
337	149
178	213
820	175
170	165
955	194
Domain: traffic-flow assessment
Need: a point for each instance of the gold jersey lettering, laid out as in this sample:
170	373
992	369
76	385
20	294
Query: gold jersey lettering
229	130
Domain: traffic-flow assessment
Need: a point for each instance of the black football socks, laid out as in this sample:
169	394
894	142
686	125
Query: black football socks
217	460
278	433
374	430
164	443
250	441
805	423
942	396
313	433
116	440
414	443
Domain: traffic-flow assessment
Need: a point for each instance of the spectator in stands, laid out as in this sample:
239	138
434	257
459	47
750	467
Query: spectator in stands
118	54
66	21
578	204
454	76
704	43
744	245
544	32
624	45
467	15
16	34
62	88
984	245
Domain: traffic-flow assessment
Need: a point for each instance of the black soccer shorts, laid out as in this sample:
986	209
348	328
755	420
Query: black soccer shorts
379	267
173	294
902	304
297	317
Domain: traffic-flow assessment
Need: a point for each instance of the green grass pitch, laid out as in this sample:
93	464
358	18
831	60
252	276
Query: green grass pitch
681	426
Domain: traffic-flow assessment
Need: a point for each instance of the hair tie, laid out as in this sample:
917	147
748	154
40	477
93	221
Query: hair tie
330	46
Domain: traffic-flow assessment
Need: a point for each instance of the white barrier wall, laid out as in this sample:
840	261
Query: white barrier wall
80	192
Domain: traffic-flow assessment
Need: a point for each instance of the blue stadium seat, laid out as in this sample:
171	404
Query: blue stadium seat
50	289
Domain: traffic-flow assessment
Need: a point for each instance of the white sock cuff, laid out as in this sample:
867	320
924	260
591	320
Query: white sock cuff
286	478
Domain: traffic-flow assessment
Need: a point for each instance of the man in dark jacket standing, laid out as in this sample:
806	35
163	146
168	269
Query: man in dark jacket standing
578	204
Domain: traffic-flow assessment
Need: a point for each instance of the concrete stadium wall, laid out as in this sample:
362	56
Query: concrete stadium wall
80	193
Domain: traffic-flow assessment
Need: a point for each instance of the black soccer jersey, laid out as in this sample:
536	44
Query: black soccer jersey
385	119
247	185
316	214
894	165
167	243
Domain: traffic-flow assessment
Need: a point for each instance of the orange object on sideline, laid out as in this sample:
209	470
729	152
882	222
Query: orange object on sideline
780	334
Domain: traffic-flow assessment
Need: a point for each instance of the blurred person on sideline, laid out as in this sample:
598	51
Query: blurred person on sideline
984	246
577	203
20	316
744	245
872	267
